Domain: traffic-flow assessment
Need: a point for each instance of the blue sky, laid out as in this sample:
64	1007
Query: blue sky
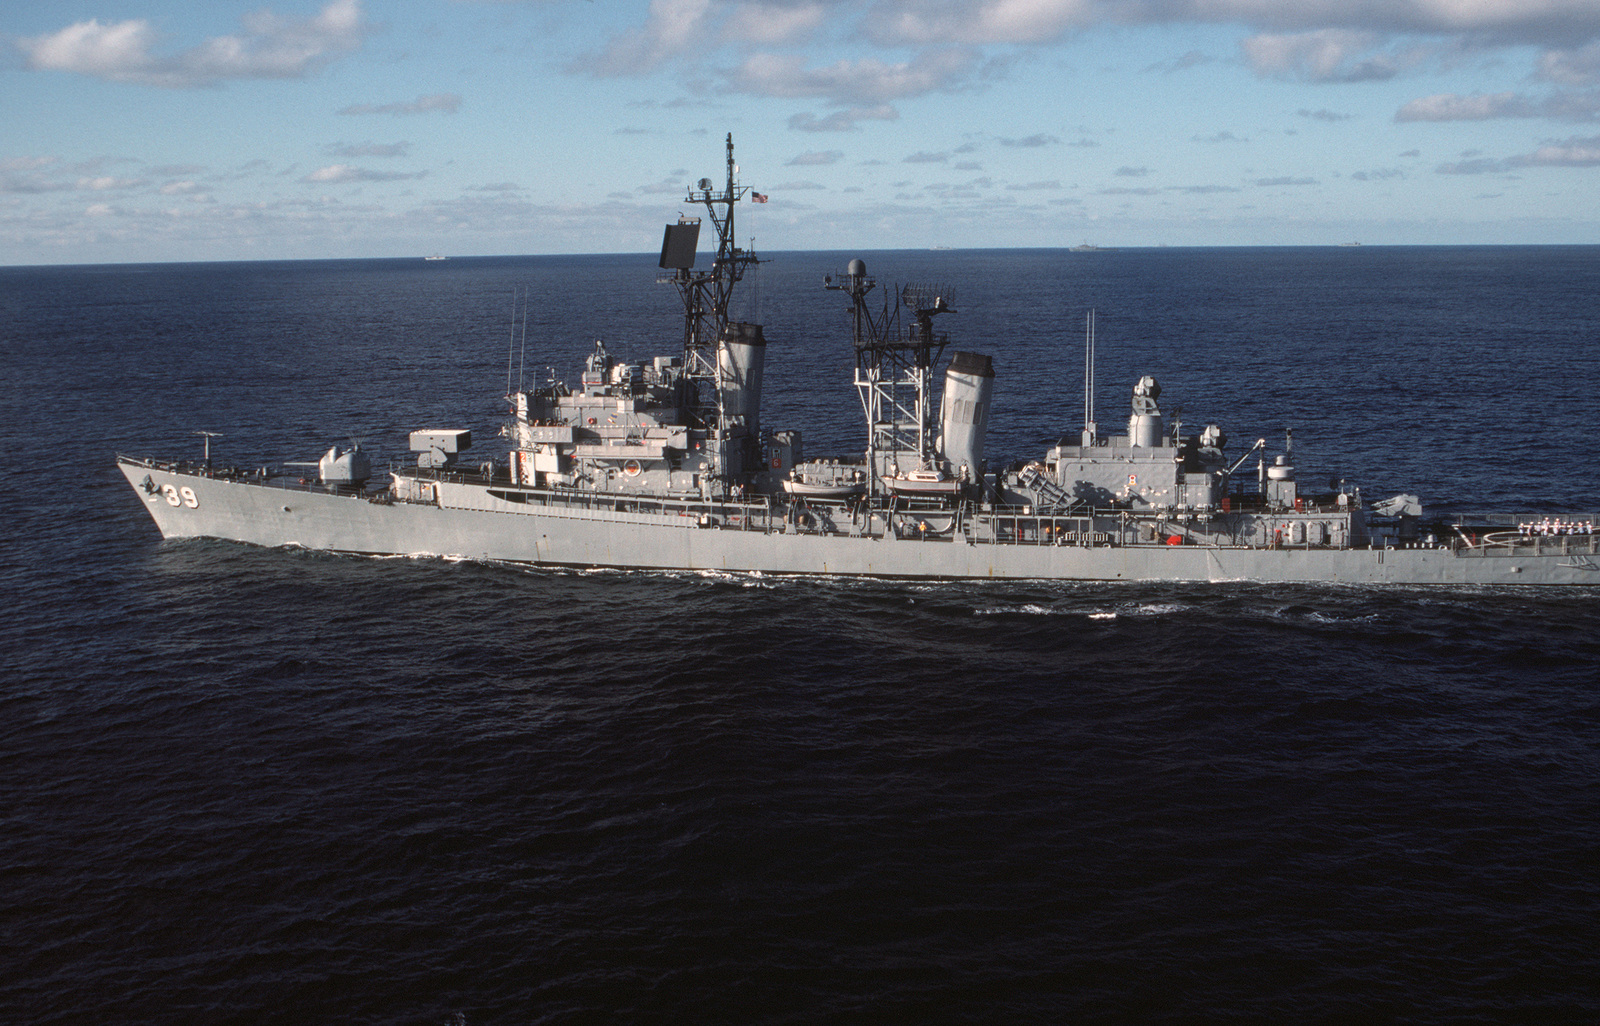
134	130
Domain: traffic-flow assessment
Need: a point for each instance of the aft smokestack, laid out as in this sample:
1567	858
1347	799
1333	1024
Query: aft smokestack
964	413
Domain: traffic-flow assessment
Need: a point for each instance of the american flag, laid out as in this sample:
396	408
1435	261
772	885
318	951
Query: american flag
757	197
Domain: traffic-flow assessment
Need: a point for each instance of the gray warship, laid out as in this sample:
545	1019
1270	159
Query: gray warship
664	464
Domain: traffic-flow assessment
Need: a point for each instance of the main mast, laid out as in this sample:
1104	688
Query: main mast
720	384
894	372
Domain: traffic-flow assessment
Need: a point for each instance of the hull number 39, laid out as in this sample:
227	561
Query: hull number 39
180	496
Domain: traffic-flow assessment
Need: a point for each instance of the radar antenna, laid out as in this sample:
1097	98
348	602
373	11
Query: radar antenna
209	435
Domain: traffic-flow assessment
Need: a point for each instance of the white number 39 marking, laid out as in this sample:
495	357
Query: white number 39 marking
180	496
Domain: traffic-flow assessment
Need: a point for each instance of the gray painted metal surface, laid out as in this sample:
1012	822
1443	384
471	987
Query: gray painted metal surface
466	521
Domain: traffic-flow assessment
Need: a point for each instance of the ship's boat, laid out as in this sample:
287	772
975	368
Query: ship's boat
922	483
664	463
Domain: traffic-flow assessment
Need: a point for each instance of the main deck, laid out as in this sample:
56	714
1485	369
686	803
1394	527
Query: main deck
478	516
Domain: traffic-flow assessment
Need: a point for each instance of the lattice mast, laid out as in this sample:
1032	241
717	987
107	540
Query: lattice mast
894	372
706	296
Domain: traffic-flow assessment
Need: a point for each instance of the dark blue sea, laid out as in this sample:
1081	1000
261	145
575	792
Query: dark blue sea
250	786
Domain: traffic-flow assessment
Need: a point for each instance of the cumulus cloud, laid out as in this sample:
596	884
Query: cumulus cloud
269	47
1308	40
1453	107
981	21
1578	66
340	174
367	149
672	27
866	82
28	185
1323	115
1038	21
815	158
675	28
1568	153
767	24
924	157
1324	55
443	103
38	175
843	120
1560	106
104	183
751	46
1032	141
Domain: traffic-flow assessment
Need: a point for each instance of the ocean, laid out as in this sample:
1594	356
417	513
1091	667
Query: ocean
262	786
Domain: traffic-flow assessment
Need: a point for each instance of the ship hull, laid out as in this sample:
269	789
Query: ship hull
470	520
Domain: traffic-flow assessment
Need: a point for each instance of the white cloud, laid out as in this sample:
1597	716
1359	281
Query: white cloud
815	158
984	21
1309	40
28	163
1574	67
339	174
842	120
105	183
444	103
1569	153
864	82
976	22
673	27
269	47
1453	107
1323	55
368	149
768	24
1561	106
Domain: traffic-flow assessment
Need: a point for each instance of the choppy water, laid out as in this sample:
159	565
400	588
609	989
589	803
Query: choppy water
259	786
